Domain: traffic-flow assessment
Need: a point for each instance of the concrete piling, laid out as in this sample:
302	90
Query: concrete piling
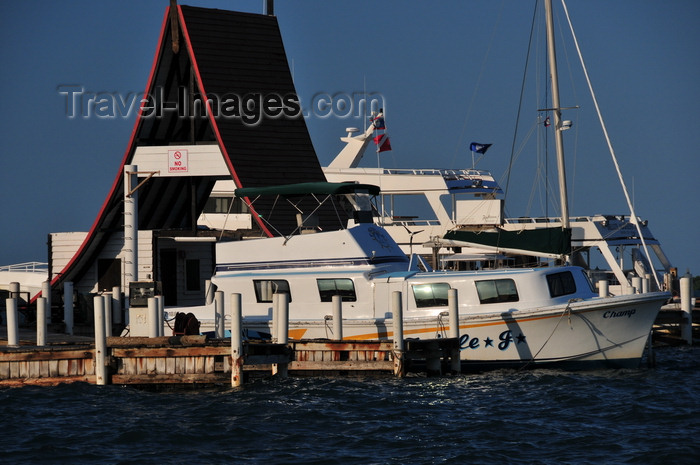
68	306
208	292
12	325
219	314
282	330
399	343
46	293
107	298
117	317
14	290
282	318
275	317
337	317
100	340
41	306
152	317
453	306
637	284
160	301
686	285
131	225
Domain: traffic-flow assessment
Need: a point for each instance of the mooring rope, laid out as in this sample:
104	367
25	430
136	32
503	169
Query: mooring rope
567	311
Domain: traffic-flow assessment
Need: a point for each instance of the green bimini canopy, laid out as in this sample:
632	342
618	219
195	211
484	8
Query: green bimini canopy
554	241
308	188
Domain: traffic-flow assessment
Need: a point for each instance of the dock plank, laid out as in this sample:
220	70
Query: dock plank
347	365
194	360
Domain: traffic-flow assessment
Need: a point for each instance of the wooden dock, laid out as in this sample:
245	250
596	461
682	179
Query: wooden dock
668	327
196	360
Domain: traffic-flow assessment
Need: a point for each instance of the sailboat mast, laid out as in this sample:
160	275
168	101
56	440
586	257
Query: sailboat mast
559	141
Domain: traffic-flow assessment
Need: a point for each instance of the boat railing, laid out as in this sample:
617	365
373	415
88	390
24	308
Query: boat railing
528	219
573	219
408	221
448	174
27	267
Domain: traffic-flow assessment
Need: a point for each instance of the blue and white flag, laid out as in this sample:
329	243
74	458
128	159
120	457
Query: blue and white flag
479	148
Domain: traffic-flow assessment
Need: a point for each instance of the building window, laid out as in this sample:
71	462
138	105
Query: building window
496	290
561	284
216	204
109	273
192	275
345	288
266	288
430	295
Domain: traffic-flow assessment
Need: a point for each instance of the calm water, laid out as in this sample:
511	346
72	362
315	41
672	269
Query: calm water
542	416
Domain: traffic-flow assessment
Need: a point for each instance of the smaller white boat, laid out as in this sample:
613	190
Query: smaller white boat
29	275
22	281
507	317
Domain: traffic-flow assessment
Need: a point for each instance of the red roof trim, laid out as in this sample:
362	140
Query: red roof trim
212	120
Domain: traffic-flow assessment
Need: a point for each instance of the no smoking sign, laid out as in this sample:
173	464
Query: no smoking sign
177	161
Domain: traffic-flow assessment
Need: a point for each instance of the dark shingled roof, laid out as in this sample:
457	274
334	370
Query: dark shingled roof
221	53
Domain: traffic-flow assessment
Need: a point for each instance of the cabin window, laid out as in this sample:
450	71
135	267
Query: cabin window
497	290
430	295
561	284
265	288
192	275
344	287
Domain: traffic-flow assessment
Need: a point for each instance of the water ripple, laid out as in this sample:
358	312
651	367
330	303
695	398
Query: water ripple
543	416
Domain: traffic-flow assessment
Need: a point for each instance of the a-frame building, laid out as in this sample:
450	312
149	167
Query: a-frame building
220	104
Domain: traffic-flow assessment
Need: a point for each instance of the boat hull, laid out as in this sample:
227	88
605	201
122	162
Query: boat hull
596	333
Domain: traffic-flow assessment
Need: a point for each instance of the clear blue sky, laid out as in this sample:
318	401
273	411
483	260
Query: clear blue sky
449	72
